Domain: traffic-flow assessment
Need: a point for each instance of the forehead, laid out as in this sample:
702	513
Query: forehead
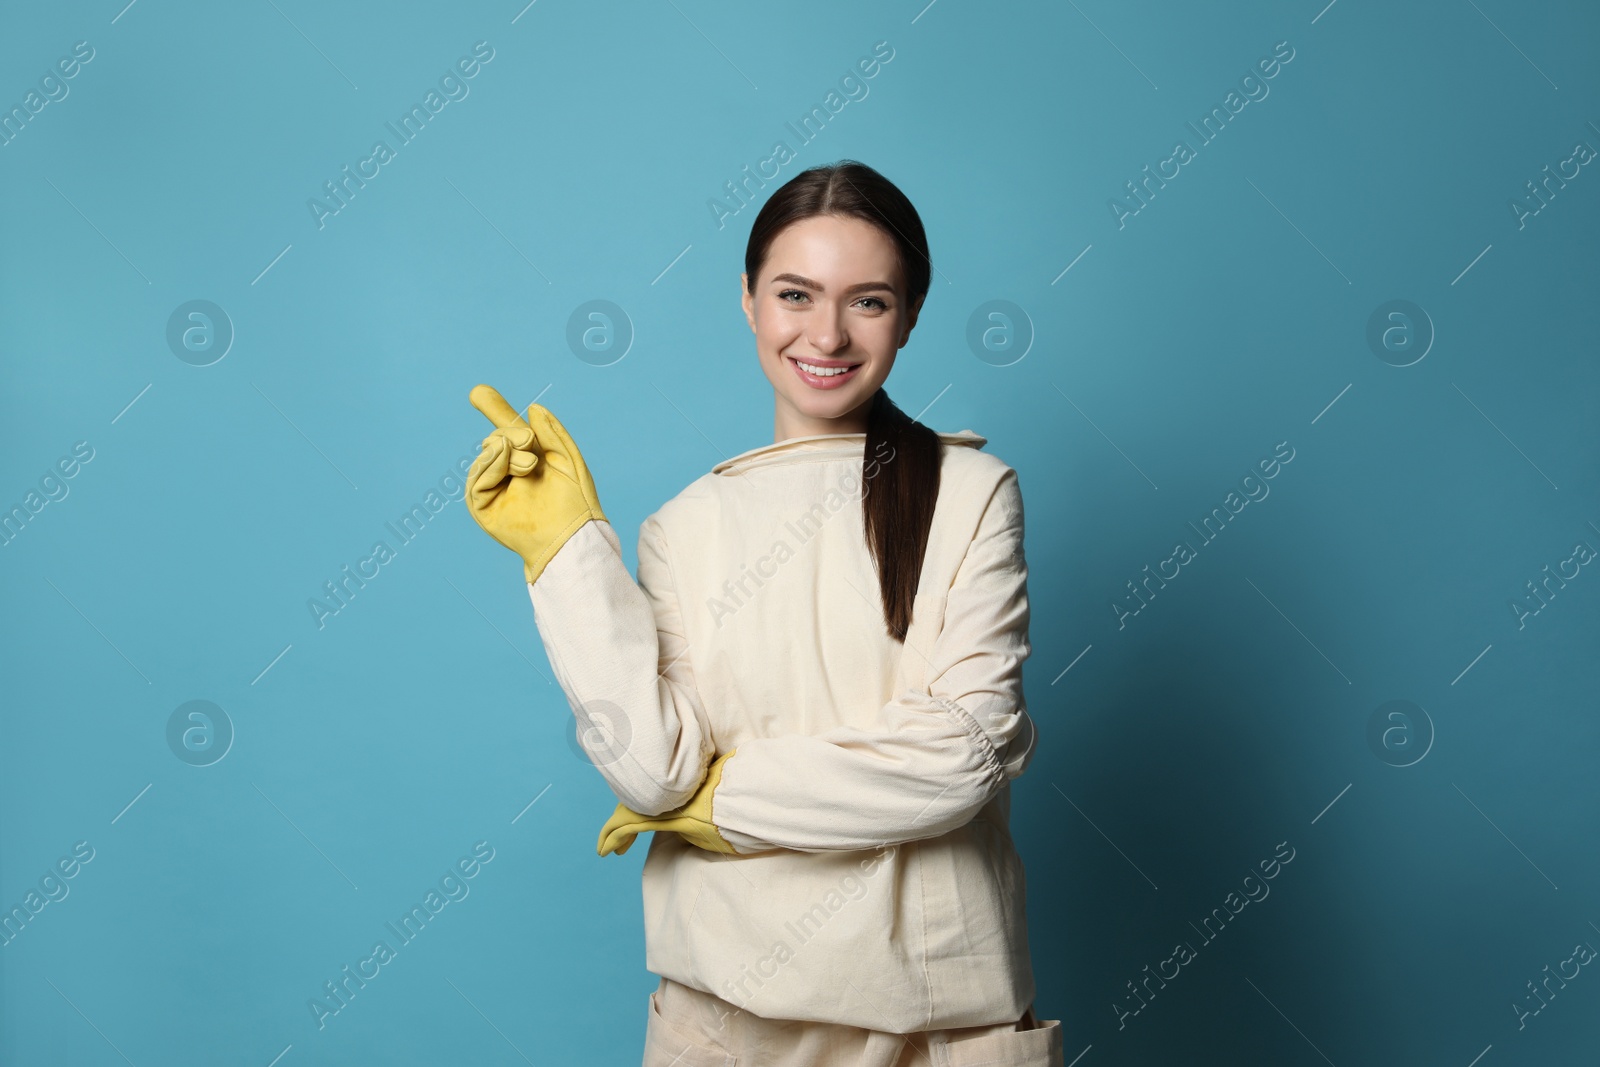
834	247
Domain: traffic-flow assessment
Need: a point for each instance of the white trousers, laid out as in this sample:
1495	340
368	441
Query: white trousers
691	1028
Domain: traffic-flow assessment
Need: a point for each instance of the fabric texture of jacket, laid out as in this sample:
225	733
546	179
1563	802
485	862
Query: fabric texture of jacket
875	882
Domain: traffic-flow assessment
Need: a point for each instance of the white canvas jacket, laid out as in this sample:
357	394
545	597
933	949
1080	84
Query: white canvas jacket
876	884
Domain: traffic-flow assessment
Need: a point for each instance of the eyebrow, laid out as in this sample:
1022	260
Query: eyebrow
860	287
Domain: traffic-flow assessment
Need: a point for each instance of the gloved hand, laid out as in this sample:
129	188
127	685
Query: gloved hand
692	819
529	487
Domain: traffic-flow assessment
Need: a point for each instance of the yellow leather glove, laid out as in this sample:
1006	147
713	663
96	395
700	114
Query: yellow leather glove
692	820
529	487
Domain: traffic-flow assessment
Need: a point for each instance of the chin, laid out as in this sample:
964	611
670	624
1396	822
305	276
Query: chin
831	407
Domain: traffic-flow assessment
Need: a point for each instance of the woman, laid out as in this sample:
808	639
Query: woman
815	688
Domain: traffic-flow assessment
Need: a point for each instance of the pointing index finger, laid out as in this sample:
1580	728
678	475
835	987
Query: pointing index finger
495	408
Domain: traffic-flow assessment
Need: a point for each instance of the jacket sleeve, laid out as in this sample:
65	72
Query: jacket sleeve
618	651
932	759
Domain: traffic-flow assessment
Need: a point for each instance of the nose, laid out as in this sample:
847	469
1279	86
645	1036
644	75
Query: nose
827	333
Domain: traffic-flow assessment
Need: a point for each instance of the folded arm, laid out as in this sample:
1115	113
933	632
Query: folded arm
931	760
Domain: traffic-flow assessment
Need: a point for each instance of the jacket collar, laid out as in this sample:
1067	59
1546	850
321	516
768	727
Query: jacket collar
825	443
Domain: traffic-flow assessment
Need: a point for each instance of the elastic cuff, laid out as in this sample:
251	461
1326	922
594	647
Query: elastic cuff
980	739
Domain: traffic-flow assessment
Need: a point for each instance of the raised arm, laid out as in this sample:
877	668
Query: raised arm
532	492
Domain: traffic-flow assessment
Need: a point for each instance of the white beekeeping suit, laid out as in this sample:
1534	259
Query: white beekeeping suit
867	800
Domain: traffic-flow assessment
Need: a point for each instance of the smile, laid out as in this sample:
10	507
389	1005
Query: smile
819	376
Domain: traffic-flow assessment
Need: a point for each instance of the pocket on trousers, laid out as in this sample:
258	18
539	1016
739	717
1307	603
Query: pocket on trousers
1019	1048
666	1046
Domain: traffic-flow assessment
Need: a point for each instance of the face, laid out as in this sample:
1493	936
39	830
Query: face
831	295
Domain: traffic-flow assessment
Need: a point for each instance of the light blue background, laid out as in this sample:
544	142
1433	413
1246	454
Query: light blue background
1179	750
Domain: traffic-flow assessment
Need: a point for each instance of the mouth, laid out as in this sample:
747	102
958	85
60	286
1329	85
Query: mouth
824	374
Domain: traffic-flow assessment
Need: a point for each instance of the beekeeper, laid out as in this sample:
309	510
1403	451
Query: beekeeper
815	683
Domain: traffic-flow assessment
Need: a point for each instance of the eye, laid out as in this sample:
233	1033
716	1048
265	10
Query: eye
881	305
785	294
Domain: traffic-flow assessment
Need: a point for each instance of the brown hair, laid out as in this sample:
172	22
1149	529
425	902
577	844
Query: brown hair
900	494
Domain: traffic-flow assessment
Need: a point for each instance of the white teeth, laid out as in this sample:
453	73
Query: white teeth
822	372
